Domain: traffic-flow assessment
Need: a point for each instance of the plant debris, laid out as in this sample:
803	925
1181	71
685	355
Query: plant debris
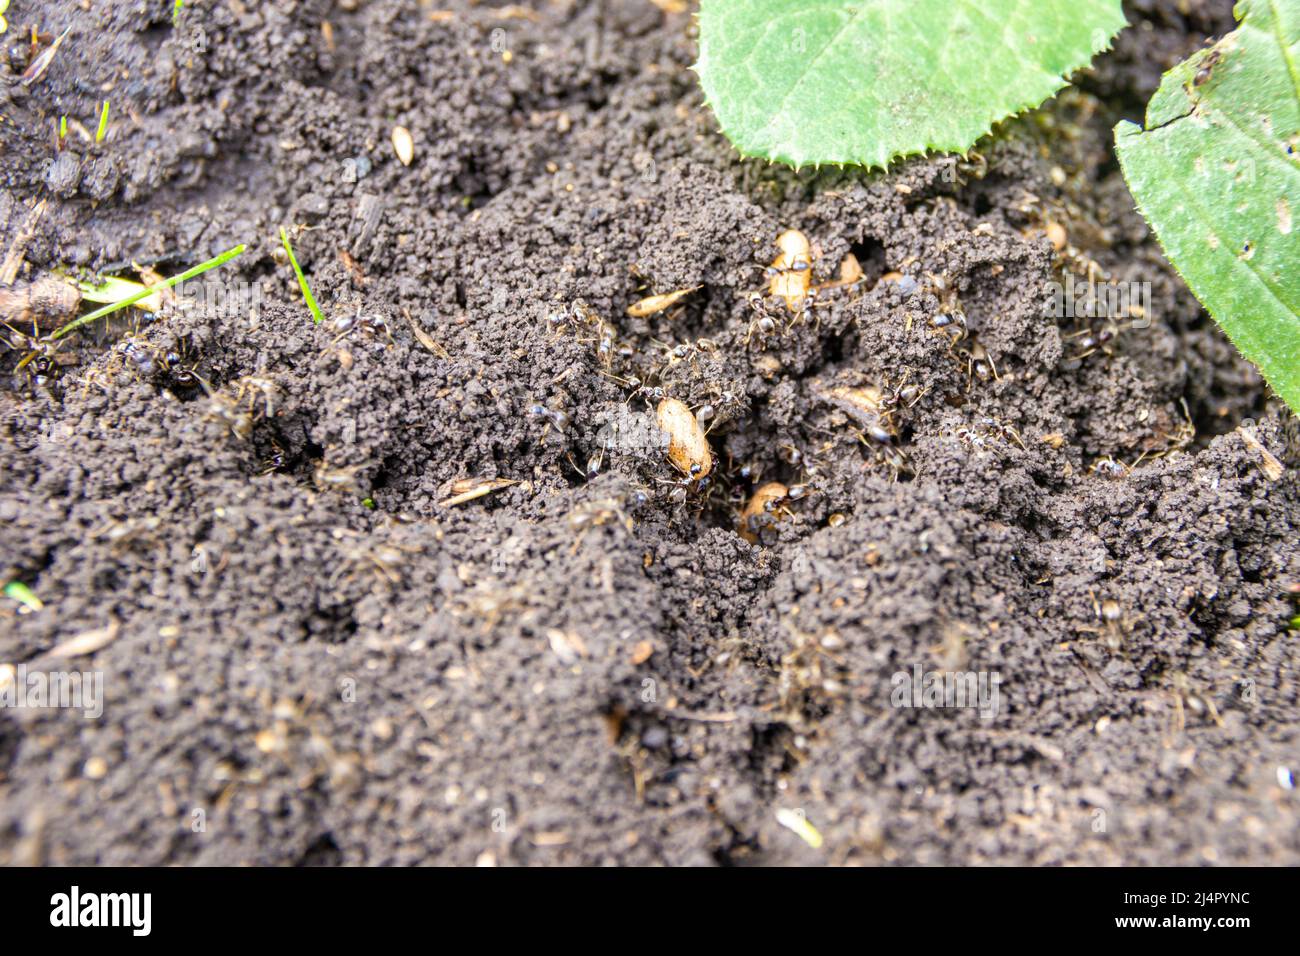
468	489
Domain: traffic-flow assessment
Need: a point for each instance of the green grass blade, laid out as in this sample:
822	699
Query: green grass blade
103	124
23	595
185	276
302	279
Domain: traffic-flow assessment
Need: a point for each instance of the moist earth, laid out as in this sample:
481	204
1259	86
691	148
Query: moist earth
316	649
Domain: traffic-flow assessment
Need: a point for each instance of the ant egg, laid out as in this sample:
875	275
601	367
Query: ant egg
850	270
657	303
792	278
791	286
794	245
758	513
688	447
866	404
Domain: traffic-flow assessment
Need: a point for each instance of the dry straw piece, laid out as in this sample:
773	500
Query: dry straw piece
467	489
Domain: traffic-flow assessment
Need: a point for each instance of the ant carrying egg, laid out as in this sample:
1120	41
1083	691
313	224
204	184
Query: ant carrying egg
688	446
790	284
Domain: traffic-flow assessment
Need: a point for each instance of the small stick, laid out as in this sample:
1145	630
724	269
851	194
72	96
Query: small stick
14	257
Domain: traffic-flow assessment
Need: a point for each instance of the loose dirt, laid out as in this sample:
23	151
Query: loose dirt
313	658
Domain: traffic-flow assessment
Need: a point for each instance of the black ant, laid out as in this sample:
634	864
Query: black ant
179	368
768	322
764	324
686	352
951	325
978	435
582	319
42	354
1109	467
1092	340
372	325
1114	627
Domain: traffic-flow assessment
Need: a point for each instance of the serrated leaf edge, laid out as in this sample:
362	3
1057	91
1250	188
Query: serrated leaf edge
883	162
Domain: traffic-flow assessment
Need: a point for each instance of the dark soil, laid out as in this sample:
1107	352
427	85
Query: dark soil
600	670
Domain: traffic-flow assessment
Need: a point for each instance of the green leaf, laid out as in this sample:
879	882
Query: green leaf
115	289
1217	174
809	82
